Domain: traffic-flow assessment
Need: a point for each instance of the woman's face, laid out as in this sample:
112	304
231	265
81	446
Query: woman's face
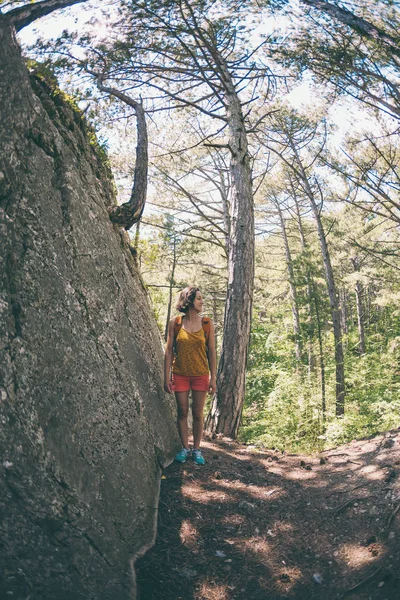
198	302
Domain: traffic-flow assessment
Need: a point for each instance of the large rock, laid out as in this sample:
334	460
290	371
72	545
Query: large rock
85	424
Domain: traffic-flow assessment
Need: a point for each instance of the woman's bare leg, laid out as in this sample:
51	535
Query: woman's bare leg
182	403
198	401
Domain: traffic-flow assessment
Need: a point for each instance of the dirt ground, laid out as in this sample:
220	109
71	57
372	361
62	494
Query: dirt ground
268	525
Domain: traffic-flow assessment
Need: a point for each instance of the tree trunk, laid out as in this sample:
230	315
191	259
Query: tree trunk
215	320
332	292
226	409
360	320
360	313
292	285
129	213
321	355
310	322
171	287
333	301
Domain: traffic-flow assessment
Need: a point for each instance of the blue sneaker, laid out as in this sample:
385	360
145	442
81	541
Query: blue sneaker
198	458
182	455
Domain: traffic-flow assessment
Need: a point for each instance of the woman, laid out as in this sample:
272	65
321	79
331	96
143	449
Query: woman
193	367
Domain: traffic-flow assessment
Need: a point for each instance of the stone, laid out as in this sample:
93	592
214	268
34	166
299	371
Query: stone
86	425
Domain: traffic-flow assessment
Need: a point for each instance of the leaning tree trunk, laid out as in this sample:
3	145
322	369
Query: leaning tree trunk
226	409
292	286
310	322
332	291
333	300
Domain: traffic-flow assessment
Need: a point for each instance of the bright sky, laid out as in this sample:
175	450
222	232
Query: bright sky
346	115
80	15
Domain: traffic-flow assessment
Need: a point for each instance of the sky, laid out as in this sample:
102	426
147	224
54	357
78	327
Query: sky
345	114
79	16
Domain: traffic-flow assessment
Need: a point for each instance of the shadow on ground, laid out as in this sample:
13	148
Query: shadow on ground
269	526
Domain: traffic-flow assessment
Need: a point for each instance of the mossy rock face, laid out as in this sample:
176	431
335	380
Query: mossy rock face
66	114
86	425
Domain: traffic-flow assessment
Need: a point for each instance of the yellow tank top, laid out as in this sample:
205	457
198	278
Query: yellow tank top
191	356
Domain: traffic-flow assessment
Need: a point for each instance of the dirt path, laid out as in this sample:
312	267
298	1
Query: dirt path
268	526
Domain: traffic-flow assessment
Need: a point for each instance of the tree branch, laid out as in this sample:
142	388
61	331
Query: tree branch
358	24
129	213
25	15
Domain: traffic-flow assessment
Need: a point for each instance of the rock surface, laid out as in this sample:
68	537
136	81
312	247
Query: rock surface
85	424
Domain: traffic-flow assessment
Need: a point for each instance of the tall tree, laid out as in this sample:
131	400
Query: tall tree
204	56
287	134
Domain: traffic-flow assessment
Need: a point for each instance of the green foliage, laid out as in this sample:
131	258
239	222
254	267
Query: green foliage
283	407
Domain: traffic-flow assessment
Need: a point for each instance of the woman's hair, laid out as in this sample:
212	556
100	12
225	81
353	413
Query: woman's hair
186	298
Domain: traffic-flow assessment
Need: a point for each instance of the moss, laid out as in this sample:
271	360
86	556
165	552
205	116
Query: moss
62	107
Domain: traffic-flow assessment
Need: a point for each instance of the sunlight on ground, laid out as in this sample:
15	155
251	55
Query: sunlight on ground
203	496
188	534
287	579
258	545
372	472
357	556
234	519
209	590
257	491
296	474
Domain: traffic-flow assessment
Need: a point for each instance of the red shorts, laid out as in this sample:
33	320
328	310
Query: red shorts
184	383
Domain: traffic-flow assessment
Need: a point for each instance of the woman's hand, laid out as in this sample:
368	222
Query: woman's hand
212	386
168	387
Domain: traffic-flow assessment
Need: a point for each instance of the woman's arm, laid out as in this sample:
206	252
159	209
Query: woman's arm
168	357
212	359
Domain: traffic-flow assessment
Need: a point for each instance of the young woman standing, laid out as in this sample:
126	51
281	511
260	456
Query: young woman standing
192	368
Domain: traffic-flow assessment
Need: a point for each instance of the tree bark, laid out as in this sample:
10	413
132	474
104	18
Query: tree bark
25	15
215	321
226	409
129	213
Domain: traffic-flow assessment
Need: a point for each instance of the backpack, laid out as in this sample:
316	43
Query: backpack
205	321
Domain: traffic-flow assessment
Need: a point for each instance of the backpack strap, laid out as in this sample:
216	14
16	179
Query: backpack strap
206	328
177	325
205	322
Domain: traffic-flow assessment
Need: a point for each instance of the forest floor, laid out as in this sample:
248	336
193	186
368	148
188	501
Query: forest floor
265	525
